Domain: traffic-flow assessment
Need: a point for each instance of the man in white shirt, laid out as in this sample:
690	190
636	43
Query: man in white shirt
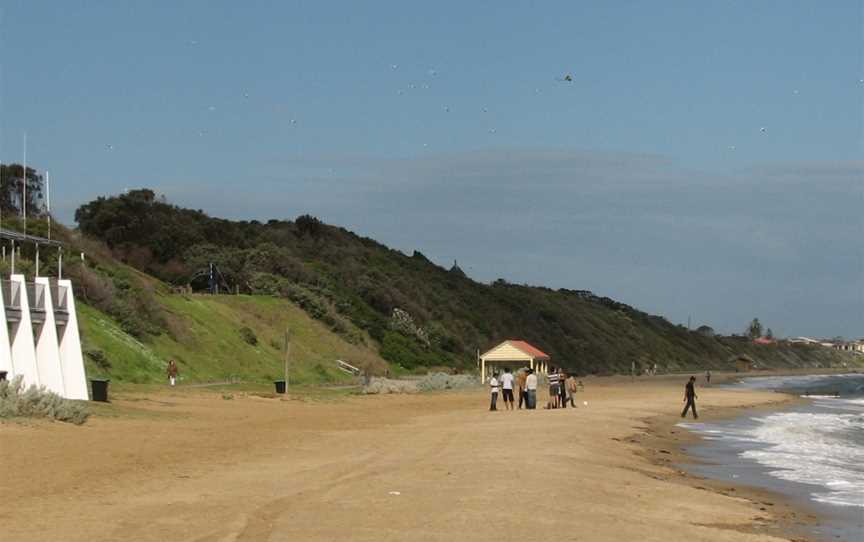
493	385
507	388
531	389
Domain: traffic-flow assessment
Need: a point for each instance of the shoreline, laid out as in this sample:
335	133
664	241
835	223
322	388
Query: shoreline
664	445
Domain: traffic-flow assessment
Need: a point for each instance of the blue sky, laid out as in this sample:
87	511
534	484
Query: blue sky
444	127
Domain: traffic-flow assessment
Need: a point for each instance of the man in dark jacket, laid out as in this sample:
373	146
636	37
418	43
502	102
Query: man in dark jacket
690	398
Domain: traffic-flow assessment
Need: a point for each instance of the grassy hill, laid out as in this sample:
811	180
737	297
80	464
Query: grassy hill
343	296
216	338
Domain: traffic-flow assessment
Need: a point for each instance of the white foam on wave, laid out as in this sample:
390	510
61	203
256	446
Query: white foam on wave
811	448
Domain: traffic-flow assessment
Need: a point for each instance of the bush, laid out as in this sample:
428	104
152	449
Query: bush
248	336
16	402
99	358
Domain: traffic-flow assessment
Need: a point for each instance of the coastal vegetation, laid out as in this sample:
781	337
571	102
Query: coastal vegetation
412	312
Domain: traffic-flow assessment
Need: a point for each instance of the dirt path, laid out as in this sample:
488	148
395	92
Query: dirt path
189	466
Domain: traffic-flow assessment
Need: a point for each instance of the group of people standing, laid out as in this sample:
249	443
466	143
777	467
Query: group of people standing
562	388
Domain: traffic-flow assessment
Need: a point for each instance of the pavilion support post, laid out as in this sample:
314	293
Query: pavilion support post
482	370
37	259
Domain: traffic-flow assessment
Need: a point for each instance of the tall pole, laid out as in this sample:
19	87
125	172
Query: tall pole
59	263
24	193
48	200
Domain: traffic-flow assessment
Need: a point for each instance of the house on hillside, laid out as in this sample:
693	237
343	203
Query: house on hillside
743	363
513	354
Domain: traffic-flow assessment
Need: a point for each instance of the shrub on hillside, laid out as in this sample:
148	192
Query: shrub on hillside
248	336
16	402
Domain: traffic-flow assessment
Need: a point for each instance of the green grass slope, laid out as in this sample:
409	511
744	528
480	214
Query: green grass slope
205	335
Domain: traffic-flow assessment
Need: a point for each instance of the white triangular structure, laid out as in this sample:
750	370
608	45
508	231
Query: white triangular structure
39	338
71	359
5	350
21	332
45	335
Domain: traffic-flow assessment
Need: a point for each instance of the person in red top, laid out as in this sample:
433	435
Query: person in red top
172	372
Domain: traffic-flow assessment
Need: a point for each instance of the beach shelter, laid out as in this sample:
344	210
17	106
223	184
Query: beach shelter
513	354
743	363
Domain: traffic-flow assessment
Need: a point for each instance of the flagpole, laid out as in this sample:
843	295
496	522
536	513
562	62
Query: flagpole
24	197
48	199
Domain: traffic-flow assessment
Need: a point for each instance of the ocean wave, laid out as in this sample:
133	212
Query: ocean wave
819	449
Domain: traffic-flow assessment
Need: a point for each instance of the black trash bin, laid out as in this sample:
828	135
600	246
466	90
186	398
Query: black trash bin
280	386
99	387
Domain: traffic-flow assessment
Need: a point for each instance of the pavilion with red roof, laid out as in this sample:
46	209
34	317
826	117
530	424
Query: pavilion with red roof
513	354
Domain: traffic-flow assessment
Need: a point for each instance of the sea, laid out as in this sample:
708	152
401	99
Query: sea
812	452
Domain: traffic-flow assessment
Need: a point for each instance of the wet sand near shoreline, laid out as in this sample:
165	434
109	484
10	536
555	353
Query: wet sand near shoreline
189	465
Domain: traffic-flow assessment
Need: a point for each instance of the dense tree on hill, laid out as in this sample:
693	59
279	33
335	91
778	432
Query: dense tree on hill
12	190
707	331
754	330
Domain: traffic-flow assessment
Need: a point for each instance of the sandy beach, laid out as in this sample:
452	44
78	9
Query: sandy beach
189	465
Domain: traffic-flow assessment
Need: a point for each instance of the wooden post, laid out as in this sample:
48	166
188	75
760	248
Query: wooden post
482	370
287	357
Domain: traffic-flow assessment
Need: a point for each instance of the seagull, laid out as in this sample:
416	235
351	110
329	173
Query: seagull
246	95
492	130
446	109
432	73
731	147
763	129
394	66
293	121
485	110
110	147
566	79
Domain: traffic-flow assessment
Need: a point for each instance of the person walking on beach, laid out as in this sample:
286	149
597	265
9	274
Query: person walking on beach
493	385
520	384
507	389
690	398
172	372
708	376
531	390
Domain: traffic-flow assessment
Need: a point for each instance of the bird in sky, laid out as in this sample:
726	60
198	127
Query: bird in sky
763	129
